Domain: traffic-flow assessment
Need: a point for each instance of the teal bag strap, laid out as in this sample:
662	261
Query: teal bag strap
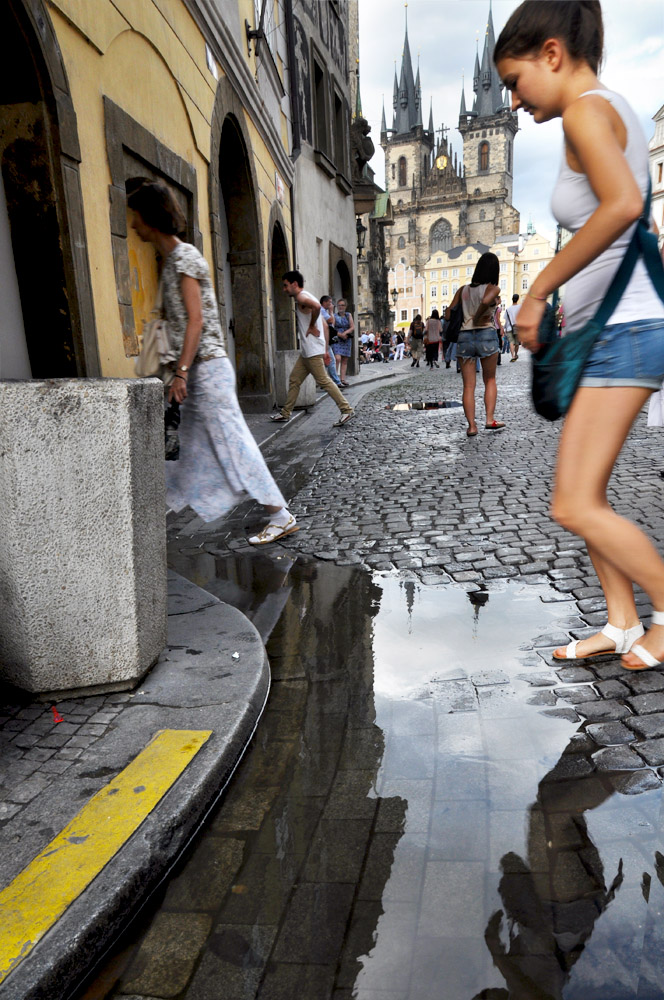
643	243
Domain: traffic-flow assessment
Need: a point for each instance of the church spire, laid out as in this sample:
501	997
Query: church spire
431	118
489	95
462	110
407	111
383	124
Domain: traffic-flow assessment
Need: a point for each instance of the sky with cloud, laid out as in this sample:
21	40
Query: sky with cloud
443	33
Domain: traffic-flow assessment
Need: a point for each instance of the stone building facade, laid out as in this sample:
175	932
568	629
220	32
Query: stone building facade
439	199
656	156
521	259
242	106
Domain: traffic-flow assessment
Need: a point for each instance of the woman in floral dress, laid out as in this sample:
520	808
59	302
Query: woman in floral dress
220	462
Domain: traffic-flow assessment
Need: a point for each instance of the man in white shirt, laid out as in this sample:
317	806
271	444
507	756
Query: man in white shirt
511	314
314	348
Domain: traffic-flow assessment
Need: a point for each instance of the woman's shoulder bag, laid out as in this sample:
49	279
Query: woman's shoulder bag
156	351
455	321
558	366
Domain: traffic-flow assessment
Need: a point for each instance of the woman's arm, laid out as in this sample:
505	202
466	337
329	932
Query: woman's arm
191	296
352	323
491	294
591	129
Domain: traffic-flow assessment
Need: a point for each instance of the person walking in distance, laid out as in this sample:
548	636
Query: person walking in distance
478	340
327	312
344	328
511	314
416	341
313	348
548	55
432	332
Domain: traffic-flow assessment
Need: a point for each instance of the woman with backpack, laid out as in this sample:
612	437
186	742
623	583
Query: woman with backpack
416	341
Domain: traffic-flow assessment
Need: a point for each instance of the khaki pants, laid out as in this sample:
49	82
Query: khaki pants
312	366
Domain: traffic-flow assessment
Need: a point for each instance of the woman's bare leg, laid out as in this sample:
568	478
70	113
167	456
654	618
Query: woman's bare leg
595	430
490	388
469	377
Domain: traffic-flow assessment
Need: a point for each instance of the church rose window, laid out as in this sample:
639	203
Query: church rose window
403	176
484	157
440	237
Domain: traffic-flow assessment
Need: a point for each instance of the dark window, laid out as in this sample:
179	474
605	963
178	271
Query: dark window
660	166
403	175
484	157
339	134
401	244
320	108
509	157
440	237
394	171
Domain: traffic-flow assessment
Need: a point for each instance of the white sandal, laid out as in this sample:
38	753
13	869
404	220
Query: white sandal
647	659
623	638
273	532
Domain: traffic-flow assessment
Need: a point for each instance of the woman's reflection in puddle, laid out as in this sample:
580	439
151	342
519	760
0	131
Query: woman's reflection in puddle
553	900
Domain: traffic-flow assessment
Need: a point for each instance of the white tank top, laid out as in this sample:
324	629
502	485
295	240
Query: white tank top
471	299
572	204
311	346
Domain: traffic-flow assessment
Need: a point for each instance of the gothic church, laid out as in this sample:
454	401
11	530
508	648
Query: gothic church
438	202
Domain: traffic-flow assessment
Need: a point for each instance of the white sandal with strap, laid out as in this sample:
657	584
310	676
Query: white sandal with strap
623	638
647	659
273	532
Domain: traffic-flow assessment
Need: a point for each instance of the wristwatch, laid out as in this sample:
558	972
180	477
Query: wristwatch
183	368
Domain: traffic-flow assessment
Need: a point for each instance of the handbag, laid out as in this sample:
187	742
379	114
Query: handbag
455	322
558	366
156	351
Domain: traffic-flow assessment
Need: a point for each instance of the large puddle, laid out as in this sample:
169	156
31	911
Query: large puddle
420	816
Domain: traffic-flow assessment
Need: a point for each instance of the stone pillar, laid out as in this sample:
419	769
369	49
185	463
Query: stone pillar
83	545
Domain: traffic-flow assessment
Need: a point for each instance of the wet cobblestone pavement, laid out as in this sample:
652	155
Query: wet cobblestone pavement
431	809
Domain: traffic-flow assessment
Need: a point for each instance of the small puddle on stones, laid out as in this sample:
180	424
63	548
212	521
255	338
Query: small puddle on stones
419	816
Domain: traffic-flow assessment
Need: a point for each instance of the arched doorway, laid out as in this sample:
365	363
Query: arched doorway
282	313
240	256
343	286
40	331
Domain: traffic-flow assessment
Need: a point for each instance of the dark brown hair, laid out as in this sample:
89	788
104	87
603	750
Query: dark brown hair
155	203
577	23
487	270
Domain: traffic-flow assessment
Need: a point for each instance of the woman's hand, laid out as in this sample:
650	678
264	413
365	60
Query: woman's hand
528	322
178	389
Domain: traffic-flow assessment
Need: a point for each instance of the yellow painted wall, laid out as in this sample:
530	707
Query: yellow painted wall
149	58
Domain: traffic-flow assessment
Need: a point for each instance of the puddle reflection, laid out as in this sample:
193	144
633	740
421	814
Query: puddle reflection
419	816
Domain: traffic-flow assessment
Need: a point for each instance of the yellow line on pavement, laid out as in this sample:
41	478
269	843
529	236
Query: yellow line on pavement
35	900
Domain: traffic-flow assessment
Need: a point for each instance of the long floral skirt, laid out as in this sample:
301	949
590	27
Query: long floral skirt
220	463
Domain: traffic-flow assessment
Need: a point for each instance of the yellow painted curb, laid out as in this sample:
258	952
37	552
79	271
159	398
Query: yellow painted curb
35	900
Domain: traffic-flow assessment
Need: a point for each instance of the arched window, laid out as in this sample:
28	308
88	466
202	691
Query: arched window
440	236
403	176
484	157
482	215
400	203
401	243
509	157
425	167
394	171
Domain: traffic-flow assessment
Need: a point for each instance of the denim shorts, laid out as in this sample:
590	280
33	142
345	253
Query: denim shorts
627	354
477	343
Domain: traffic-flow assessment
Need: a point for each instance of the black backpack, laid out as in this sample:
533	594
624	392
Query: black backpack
454	323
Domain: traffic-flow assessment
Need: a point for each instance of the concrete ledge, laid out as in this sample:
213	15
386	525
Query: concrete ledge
196	684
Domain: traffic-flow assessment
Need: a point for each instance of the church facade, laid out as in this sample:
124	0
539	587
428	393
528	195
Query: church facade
439	201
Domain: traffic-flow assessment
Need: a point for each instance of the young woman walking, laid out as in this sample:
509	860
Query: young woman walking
220	463
477	339
548	56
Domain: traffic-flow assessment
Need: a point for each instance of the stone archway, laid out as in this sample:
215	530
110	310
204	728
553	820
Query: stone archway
282	311
47	319
243	258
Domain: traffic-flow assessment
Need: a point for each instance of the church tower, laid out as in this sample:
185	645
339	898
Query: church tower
488	132
408	148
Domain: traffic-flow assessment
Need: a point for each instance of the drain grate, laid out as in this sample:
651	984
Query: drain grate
443	404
